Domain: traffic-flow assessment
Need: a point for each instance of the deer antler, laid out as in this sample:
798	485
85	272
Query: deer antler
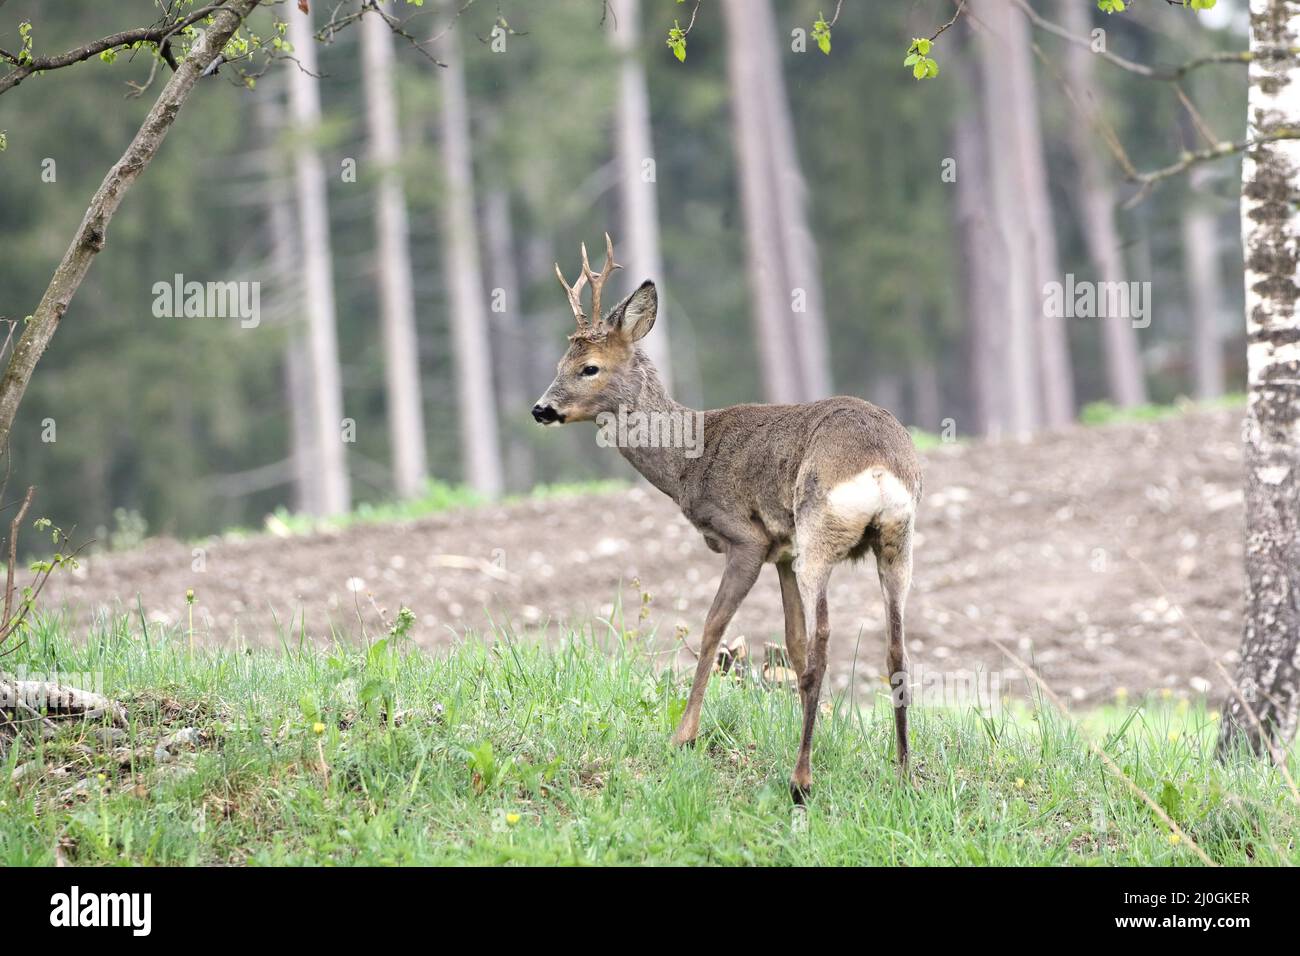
597	280
574	292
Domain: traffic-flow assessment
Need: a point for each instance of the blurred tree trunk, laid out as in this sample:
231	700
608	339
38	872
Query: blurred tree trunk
983	257
1004	109
638	178
1056	377
508	335
317	270
927	396
476	405
405	404
1268	676
1204	295
307	494
91	235
1096	199
798	247
770	292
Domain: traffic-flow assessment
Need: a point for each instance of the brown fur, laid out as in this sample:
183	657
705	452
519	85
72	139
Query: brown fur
761	492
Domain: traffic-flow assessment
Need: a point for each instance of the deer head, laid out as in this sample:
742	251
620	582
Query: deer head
598	370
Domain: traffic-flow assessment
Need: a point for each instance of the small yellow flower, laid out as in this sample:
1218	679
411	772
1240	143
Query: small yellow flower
1121	693
1213	715
189	596
1166	693
318	728
512	818
1020	783
1174	838
1173	736
103	777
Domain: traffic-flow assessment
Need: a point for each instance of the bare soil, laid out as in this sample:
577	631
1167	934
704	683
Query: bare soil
1110	557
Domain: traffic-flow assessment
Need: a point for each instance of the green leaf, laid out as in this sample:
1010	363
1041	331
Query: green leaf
911	59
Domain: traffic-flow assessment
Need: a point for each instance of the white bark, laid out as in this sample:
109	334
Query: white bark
1269	673
393	260
476	404
638	191
769	291
1097	202
1021	411
317	269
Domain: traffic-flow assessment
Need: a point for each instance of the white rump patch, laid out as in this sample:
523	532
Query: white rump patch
873	496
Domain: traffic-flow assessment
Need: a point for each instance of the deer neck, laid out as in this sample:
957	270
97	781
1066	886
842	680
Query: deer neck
646	416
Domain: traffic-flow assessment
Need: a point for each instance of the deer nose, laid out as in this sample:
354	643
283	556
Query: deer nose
544	414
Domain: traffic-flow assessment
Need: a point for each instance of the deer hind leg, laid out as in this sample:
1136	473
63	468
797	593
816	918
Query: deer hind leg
739	576
796	635
894	565
813	577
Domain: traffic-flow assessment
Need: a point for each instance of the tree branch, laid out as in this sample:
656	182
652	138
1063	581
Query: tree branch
153	34
90	235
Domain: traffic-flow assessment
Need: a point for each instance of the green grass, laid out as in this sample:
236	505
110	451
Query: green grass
515	752
1104	413
438	496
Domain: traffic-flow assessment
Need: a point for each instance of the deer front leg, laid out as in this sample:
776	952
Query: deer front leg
796	638
743	565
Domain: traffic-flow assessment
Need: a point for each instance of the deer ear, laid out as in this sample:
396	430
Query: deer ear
635	315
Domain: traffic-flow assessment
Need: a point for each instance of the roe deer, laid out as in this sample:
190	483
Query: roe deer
801	486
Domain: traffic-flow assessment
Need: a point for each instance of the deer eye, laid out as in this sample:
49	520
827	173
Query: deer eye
590	370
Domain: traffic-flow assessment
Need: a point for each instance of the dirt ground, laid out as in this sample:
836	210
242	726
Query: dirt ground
1079	552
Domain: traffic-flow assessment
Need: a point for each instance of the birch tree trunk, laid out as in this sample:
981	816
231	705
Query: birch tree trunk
638	178
1097	201
769	290
91	235
1056	377
1204	295
1268	677
1016	333
284	274
476	404
317	269
393	260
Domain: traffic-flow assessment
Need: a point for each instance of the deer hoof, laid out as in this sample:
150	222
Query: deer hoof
799	792
679	740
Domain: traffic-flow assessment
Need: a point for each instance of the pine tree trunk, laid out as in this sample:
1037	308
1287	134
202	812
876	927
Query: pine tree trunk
983	276
1268	677
770	293
1056	377
798	247
317	270
476	404
299	397
509	337
405	404
1016	332
638	189
1097	201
